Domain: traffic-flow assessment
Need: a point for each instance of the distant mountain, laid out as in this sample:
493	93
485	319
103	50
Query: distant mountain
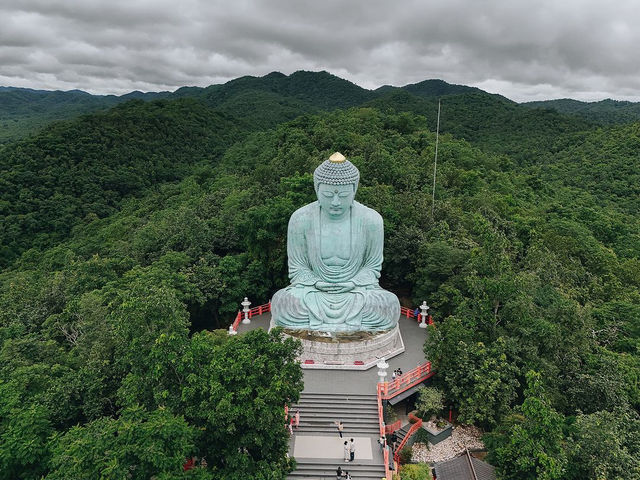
273	98
24	110
316	89
491	121
604	112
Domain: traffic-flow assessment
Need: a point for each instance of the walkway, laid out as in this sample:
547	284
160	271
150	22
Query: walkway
319	451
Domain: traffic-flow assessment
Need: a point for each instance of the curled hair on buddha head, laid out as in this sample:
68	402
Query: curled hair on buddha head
336	171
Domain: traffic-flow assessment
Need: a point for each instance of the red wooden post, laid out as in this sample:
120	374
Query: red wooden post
450	415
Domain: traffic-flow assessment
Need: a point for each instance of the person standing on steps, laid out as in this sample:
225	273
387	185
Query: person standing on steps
348	476
346	451
339	473
352	451
340	427
381	442
296	419
290	426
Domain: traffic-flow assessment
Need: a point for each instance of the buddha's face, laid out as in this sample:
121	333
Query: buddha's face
335	200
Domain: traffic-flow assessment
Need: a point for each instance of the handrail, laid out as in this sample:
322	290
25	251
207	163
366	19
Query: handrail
414	428
406	381
237	321
387	472
259	310
393	427
407	312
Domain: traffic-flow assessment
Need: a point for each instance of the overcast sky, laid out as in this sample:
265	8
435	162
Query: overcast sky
524	50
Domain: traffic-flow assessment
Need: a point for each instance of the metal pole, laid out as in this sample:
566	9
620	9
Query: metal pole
435	163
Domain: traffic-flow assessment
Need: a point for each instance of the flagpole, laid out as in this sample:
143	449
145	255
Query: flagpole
435	163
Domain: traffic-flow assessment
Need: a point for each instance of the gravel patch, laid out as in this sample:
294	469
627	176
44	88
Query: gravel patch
462	436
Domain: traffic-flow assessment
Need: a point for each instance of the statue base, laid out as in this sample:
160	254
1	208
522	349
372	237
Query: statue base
346	350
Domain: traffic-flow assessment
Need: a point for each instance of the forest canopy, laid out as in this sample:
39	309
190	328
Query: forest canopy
128	237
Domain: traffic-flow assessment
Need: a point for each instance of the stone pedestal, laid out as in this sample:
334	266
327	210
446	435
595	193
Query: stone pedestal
346	350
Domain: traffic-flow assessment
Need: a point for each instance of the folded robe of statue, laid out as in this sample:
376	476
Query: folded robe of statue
365	307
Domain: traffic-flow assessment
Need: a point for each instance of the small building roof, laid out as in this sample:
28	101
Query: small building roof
464	467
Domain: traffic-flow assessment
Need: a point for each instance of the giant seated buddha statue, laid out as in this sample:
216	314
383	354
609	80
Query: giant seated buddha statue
334	246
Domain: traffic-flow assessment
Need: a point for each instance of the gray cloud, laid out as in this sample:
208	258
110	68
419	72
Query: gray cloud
582	49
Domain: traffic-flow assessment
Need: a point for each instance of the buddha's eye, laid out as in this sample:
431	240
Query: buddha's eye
344	194
327	194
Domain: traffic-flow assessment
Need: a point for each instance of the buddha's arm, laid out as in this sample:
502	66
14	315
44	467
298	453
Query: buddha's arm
374	237
300	272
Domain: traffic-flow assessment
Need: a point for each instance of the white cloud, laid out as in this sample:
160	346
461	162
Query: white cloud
576	48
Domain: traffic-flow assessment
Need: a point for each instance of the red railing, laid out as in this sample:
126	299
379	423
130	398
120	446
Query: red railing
259	310
393	427
414	428
387	472
406	312
406	381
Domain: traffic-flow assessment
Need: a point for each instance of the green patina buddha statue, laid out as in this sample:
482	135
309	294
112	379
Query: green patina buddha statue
334	247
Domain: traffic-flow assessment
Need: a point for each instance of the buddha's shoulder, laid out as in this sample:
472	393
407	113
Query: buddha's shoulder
369	215
304	214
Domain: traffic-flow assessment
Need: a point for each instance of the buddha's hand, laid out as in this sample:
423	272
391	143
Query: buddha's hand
335	287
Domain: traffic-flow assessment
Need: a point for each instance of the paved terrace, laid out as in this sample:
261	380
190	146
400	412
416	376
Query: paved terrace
346	381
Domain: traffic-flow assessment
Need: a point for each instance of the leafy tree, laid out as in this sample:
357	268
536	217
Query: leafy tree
430	402
138	445
605	445
529	444
480	380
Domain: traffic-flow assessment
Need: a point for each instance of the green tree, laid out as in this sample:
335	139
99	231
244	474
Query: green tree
430	402
479	379
236	394
138	445
605	445
530	443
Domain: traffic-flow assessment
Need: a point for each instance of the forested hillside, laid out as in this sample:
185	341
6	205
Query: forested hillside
129	236
24	111
604	112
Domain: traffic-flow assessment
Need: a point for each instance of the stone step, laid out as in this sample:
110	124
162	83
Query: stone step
341	396
347	432
336	401
321	469
332	406
337	412
318	414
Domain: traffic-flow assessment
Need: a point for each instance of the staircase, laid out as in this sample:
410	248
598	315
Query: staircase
402	433
318	414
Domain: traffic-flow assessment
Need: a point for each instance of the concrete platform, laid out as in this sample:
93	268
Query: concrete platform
341	352
331	447
349	381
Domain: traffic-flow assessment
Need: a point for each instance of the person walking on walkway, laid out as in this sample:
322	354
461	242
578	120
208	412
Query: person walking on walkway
296	419
381	442
340	427
352	451
290	426
346	451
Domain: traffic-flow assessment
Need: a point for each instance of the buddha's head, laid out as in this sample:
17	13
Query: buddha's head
336	181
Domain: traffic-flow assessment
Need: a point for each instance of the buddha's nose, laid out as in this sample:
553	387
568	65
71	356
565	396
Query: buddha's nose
336	201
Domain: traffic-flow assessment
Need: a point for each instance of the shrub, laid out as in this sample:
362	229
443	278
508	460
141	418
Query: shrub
422	437
405	455
416	471
430	402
